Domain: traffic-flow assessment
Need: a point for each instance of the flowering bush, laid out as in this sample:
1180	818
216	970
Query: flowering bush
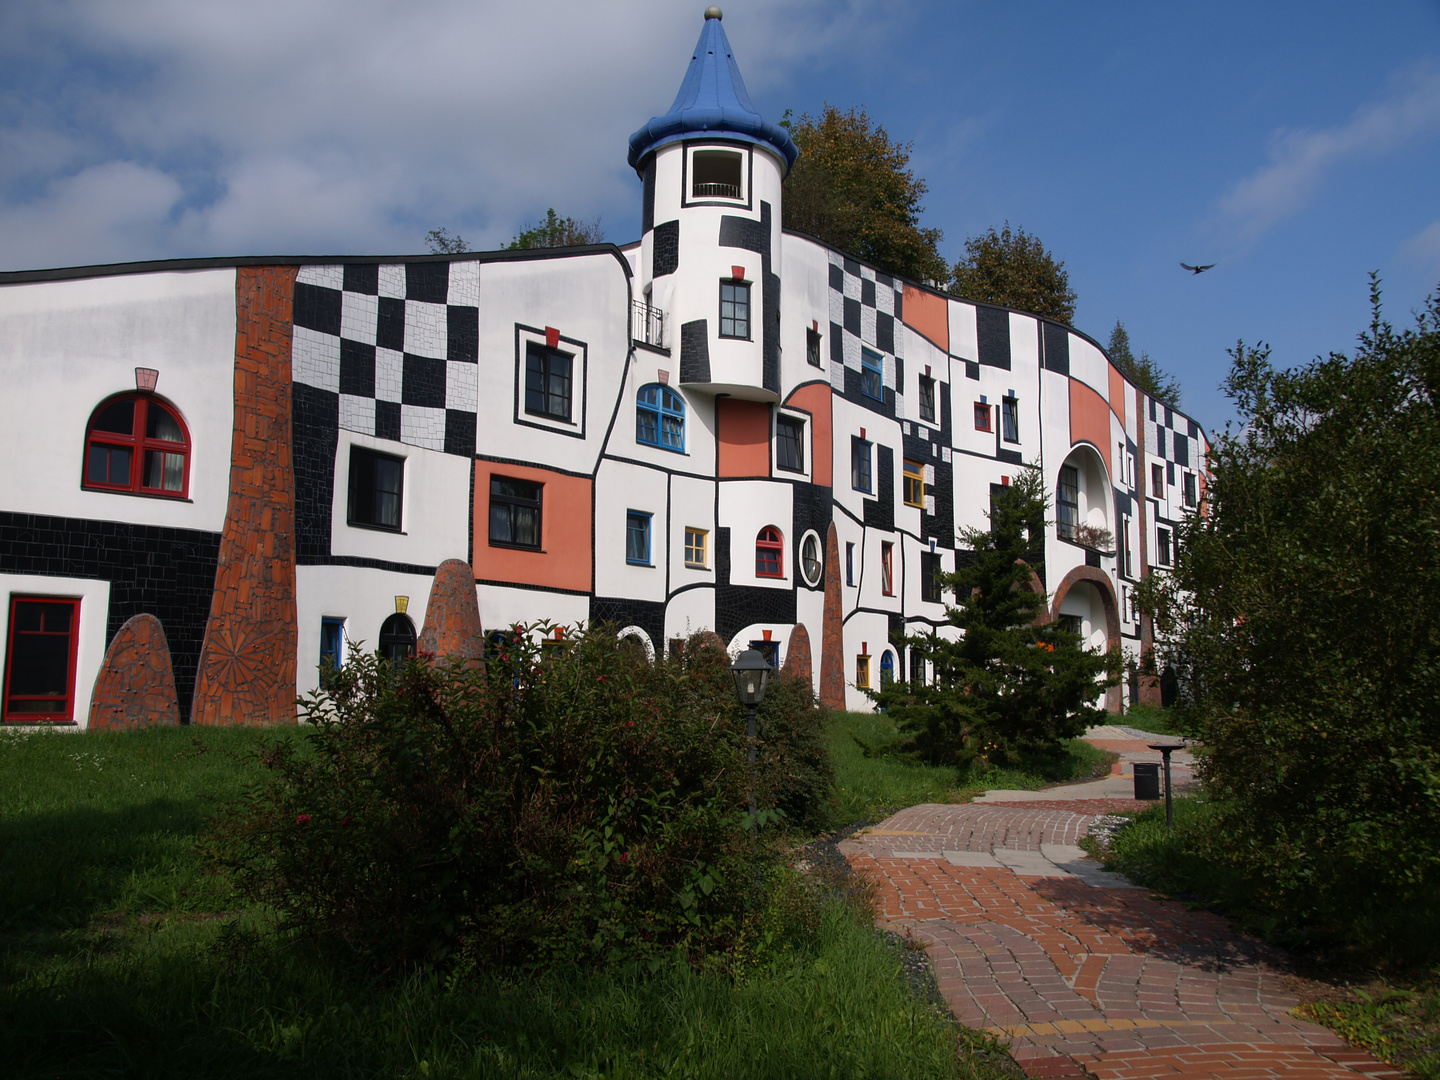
563	801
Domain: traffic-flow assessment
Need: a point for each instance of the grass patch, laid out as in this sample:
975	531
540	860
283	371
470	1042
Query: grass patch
1400	1025
873	787
1154	719
112	961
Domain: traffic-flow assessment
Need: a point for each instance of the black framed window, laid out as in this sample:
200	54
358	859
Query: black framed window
790	444
735	309
1190	489
812	347
1010	419
397	639
872	375
548	381
927	399
1067	502
930	567
377	489
1162	547
1157	481
515	512
860	478
850	564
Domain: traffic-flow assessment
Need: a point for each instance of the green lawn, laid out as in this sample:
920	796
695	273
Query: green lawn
111	961
871	788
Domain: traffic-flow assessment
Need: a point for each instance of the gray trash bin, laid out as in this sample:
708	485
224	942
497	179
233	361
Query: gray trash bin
1147	780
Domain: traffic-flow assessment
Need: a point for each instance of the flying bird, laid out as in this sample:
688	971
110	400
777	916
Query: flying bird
1196	269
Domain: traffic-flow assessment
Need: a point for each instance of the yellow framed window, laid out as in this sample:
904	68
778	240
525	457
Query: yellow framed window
697	547
914	489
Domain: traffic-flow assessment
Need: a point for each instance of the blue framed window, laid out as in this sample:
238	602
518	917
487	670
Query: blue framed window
637	538
860	478
872	377
332	647
660	418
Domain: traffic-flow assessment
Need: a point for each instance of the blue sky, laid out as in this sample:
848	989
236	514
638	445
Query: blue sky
1296	146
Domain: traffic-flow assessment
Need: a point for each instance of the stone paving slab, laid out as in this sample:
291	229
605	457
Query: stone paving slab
1084	976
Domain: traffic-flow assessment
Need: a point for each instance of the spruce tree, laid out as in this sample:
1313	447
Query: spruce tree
1015	682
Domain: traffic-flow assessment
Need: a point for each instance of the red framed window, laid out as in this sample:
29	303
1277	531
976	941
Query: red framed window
40	658
769	553
137	443
982	416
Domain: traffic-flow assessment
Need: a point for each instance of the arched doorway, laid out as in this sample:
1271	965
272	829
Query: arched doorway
397	638
1087	596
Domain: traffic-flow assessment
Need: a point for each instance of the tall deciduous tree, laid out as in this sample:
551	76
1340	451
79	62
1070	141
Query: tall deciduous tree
1144	372
1302	618
853	188
557	231
1014	681
1014	269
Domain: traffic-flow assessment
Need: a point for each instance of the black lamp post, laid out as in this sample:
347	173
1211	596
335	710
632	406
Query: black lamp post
752	673
1166	749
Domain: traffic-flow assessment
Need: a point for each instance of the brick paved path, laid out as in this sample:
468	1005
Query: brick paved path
1079	971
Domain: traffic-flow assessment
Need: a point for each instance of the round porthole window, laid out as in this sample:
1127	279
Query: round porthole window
812	560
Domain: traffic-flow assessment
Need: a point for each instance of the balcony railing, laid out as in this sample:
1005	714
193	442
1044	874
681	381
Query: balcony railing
717	191
647	324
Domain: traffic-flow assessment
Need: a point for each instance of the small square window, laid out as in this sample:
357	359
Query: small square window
887	568
860	478
982	417
1010	419
812	347
548	381
927	399
514	513
790	444
1157	481
377	483
872	377
697	547
735	310
862	672
637	538
914	485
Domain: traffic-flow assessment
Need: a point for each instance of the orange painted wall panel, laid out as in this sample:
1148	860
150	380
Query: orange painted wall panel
815	399
1117	394
563	561
1090	420
744	437
928	314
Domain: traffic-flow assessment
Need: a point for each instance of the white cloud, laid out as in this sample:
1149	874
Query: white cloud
356	125
1423	249
1300	160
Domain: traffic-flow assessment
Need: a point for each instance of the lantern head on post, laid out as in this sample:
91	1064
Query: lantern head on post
751	673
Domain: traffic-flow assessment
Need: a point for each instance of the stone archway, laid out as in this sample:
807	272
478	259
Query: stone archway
1101	583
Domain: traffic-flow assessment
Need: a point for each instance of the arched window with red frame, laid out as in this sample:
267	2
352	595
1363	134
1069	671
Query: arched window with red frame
137	443
769	553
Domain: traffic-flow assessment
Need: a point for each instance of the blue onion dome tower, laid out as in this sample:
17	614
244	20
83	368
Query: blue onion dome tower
710	249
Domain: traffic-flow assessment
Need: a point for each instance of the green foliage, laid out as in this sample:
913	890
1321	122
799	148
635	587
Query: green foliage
1013	684
853	188
1399	1025
1154	719
556	231
564	801
1301	616
1014	270
1144	372
443	242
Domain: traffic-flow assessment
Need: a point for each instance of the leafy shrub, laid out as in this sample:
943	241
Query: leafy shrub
561	802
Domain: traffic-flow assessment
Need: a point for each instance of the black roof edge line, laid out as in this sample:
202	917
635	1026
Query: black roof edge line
68	273
977	303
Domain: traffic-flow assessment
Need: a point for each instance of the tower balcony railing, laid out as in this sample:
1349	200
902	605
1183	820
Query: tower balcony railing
717	191
647	324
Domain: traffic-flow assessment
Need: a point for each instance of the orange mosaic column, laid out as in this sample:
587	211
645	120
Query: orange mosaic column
452	618
832	631
247	664
797	653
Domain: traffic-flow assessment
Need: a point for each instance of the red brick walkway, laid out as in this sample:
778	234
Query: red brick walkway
1084	976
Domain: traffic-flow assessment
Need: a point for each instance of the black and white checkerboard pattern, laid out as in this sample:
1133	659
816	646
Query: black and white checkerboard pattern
399	343
1171	436
864	310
